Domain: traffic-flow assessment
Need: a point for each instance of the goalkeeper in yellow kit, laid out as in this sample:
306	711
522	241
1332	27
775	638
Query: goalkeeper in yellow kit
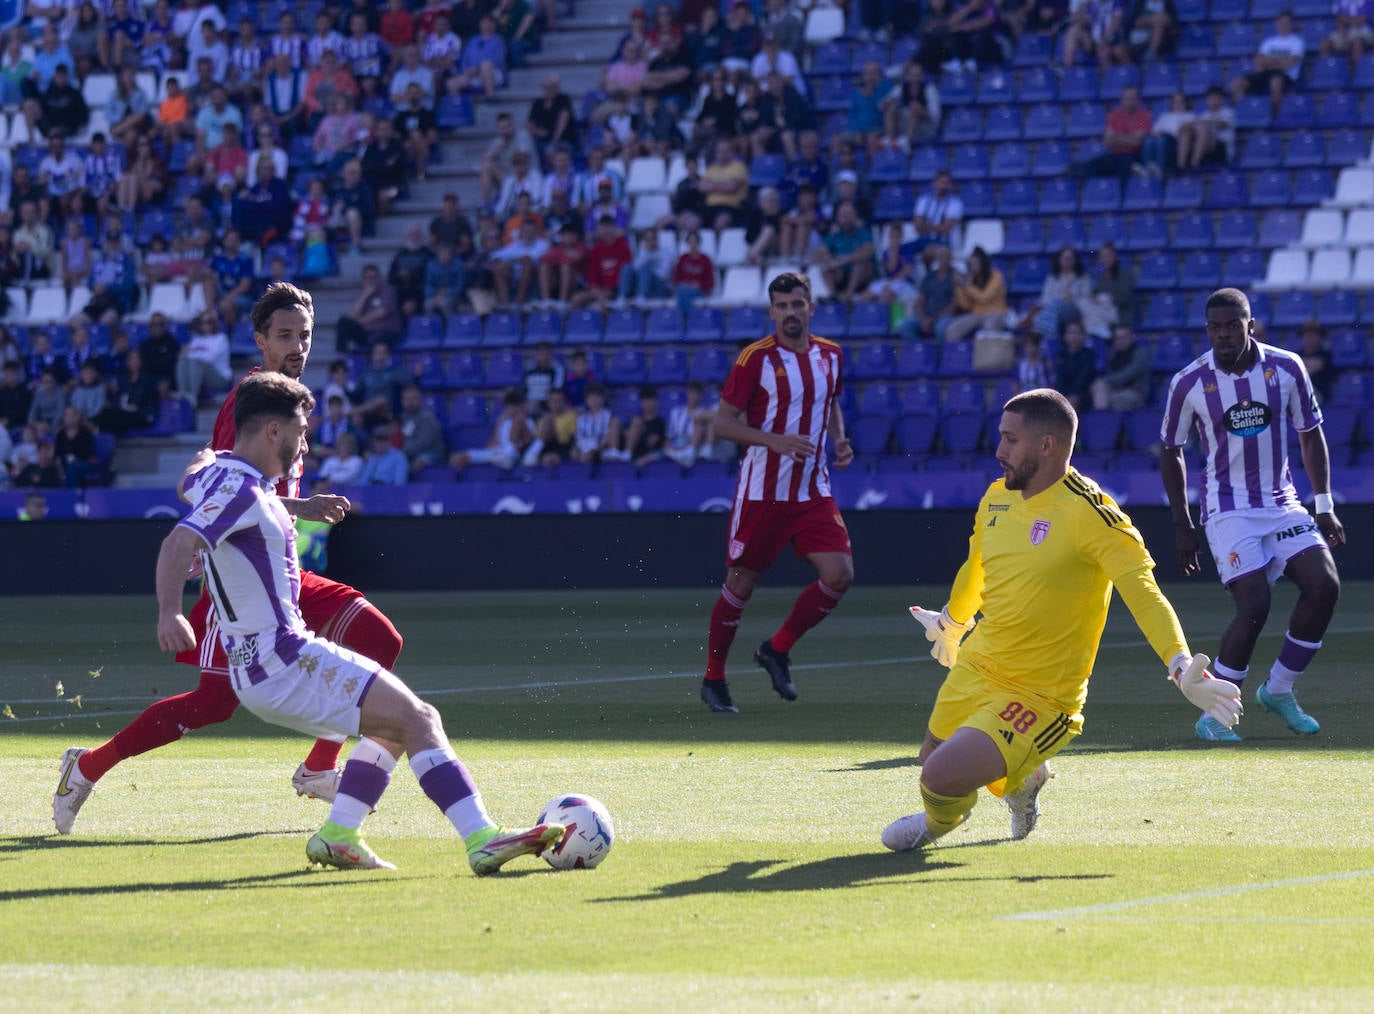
1047	547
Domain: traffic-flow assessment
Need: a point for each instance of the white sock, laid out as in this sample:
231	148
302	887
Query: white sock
468	816
1236	676
349	811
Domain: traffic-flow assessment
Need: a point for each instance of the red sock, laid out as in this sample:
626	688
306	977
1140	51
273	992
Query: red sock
164	722
724	622
812	606
324	755
362	627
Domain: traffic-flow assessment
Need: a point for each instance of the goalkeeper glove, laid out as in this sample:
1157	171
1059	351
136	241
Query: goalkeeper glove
1218	698
943	631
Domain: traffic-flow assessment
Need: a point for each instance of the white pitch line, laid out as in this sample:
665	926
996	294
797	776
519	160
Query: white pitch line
598	680
1169	899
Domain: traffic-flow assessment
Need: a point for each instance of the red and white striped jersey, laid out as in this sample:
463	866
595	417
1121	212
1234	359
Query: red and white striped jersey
222	439
781	391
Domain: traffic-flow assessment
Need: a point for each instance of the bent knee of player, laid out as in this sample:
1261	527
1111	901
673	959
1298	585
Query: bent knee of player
839	577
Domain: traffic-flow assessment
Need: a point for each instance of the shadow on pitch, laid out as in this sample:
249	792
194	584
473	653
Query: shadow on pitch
28	843
287	878
768	875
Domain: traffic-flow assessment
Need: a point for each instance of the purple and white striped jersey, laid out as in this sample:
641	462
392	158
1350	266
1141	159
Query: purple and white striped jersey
1241	427
251	570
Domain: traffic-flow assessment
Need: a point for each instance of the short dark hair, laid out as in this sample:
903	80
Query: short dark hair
789	281
281	296
1047	411
648	391
513	397
262	397
1228	297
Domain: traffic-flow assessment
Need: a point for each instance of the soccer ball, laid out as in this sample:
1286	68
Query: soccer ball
588	836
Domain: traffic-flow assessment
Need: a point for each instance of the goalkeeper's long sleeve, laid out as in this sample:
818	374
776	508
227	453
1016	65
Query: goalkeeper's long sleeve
966	597
1153	614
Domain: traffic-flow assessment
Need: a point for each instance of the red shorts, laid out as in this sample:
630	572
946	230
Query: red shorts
322	603
761	529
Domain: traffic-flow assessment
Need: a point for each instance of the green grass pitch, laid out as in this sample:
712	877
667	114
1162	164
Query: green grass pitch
747	871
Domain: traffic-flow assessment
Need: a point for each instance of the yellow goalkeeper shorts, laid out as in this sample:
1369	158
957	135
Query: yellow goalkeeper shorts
1027	729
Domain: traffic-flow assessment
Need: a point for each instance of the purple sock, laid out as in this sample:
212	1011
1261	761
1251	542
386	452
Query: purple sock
1294	658
364	779
446	781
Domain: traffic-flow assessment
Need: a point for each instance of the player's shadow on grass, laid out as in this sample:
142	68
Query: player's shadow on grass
28	843
768	875
885	764
298	878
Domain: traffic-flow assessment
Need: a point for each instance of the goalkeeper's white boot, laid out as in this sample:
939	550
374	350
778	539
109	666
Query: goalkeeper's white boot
1209	729
907	833
1023	802
73	788
1286	707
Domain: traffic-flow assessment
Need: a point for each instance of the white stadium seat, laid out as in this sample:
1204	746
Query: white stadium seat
824	24
1354	188
648	209
646	176
78	300
731	248
1330	268
1322	227
1287	270
19	303
742	287
1362	274
97	89
169	299
1359	227
48	305
985	232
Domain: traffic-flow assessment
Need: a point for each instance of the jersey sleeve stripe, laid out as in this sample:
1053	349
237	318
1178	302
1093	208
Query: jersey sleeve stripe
1109	514
748	351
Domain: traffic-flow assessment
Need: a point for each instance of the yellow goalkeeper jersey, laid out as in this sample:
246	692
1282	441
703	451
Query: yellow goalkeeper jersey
1041	571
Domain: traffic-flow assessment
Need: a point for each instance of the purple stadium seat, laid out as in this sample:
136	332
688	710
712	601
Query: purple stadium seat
969	161
543	326
961	433
710	365
996	87
704	324
1052	158
1038	85
501	329
1116	79
916	433
963	125
665	323
1182	192
1196	47
1104	229
1237	230
463	330
917	359
966	396
668	366
627	366
1228	190
1338	109
1160	81
1086	119
1171	354
1078	84
747	323
1028	276
428	370
1099	430
622	326
1003	124
1347	147
873	362
1193	232
1141	432
869	320
1033	51
1149	231
831	319
1253	112
1202	268
1271	190
1158	271
830	58
1142	193
1293	308
1010	161
1280	228
423	331
889	166
1100	194
1352	389
926	162
1312	186
1023	236
1338	308
1059	197
1296	110
1305	149
956	359
880	399
1016	198
505	368
1261	151
870	433
1067	230
1166	311
465	369
1348	348
921	397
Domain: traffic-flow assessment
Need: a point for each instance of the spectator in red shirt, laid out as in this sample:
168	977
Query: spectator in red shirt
398	25
1127	127
562	267
694	276
608	256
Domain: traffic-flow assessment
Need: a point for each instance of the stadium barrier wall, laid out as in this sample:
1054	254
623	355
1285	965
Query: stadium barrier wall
380	554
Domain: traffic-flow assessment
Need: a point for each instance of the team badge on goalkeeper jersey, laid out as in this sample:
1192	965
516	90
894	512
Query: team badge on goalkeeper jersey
1039	531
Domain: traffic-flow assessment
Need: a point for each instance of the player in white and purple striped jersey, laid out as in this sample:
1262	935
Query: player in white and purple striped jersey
1239	399
284	673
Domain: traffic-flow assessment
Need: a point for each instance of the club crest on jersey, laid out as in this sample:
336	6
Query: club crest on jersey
1039	532
1270	377
1247	418
736	549
825	365
1234	560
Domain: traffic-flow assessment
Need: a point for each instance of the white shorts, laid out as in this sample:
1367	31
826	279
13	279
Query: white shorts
1264	539
320	695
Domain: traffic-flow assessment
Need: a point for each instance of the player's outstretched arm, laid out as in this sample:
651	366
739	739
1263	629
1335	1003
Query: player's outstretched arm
1218	698
1316	461
174	632
328	507
1174	472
